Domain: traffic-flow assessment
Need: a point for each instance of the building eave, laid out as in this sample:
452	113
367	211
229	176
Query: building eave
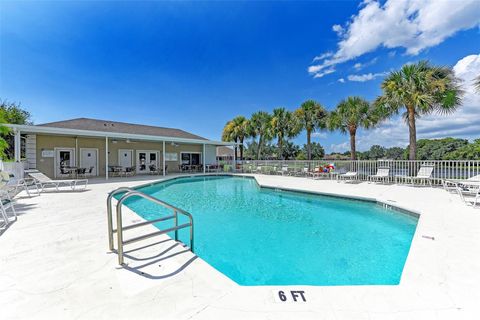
113	135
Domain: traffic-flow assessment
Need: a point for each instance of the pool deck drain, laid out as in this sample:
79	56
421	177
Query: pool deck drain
54	264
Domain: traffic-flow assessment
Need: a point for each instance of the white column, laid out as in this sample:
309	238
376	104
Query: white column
163	157
17	146
203	158
106	158
77	161
234	158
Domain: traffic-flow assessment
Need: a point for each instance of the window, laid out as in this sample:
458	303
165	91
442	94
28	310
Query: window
172	156
189	158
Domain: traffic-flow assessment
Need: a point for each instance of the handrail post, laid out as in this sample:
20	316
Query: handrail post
176	224
110	222
120	233
191	233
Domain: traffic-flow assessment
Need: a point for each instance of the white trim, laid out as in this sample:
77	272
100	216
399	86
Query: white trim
163	158
106	158
56	149
80	159
92	133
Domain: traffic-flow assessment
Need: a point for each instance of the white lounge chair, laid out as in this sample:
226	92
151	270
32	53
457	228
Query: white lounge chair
6	203
13	185
43	181
283	171
381	175
257	170
349	176
469	195
424	174
452	184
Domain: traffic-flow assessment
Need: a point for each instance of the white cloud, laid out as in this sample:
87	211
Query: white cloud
324	73
359	66
338	29
464	123
411	24
340	148
341	80
319	135
323	56
365	77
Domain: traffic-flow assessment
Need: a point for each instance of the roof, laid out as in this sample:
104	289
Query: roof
224	152
120	127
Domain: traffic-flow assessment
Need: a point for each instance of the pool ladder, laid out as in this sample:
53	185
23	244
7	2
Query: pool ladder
129	193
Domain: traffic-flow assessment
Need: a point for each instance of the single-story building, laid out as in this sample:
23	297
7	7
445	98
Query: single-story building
100	145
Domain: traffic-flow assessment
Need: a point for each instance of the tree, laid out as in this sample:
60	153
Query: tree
376	152
420	89
311	116
290	150
12	113
260	126
236	130
394	153
470	151
284	125
229	135
351	114
437	149
4	131
317	151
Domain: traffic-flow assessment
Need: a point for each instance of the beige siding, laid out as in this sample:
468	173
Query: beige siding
50	142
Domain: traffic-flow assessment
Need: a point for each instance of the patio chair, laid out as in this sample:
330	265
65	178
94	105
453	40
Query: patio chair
283	171
14	185
471	196
6	203
424	174
257	170
302	173
315	171
381	175
43	181
323	172
452	184
349	176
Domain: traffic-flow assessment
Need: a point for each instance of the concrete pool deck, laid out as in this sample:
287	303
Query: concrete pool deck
54	264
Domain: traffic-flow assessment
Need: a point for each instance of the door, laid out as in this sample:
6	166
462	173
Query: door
64	157
147	161
125	158
89	160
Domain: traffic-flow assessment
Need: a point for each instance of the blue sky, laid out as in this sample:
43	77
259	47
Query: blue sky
195	65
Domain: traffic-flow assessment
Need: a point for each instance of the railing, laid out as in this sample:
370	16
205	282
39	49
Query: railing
443	169
129	193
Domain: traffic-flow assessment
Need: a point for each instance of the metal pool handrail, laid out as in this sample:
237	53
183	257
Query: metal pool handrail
109	213
121	228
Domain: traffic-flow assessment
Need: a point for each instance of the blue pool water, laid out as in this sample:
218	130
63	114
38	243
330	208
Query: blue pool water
261	236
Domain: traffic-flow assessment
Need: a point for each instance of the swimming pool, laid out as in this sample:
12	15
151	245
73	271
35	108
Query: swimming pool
262	236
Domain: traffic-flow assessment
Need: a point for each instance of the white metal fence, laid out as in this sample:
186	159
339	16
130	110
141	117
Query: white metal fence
443	169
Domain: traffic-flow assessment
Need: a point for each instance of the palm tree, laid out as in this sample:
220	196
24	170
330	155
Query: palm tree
4	130
311	116
260	126
284	125
240	129
421	89
228	134
351	114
